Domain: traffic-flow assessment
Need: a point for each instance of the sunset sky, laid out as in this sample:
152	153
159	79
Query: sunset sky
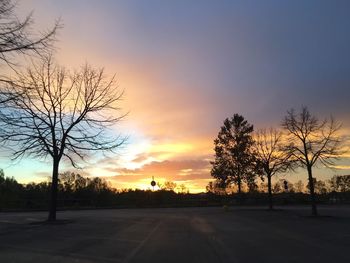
187	65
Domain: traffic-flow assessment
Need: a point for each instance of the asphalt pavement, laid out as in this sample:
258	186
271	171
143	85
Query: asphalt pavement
240	234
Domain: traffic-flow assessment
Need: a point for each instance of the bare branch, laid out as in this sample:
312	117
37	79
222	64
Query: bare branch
49	111
269	151
311	140
16	35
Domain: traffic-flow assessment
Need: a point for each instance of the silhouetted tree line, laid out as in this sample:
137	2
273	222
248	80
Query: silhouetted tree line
338	184
76	191
334	190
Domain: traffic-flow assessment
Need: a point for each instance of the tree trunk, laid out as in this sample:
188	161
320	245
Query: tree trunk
312	191
54	186
270	191
239	184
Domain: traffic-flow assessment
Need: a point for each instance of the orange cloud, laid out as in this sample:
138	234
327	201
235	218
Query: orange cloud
195	174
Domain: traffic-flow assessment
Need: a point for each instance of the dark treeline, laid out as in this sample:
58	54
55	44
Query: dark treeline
334	190
76	191
79	192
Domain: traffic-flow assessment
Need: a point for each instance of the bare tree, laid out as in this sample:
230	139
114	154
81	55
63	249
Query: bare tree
272	159
169	186
299	186
312	141
338	183
182	189
216	187
59	114
16	36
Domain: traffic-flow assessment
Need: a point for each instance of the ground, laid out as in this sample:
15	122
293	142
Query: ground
246	234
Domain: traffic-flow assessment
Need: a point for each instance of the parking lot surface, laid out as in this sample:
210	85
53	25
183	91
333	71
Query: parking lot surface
239	234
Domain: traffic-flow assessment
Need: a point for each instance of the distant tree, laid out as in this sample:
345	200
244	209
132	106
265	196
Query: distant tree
271	157
319	186
80	182
299	186
263	187
216	187
277	187
9	191
67	179
59	114
311	141
283	186
290	187
36	194
234	161
182	189
169	186
160	185
98	184
340	183
251	184
16	36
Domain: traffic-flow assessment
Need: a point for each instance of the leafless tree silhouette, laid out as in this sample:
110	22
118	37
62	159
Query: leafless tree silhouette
271	157
48	111
311	141
16	36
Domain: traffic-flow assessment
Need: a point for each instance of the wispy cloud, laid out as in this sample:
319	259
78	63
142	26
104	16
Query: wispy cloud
340	167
